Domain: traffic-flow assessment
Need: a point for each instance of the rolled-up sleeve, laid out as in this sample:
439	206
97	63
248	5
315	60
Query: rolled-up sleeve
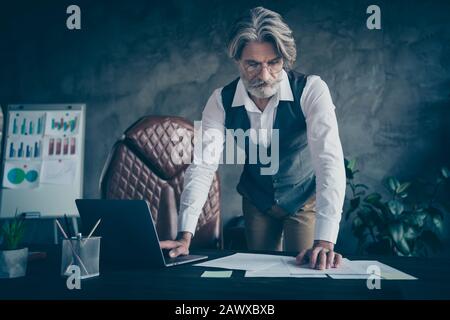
327	157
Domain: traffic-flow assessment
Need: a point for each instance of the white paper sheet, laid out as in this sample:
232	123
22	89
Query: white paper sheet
387	272
349	276
61	172
273	266
262	274
346	267
243	261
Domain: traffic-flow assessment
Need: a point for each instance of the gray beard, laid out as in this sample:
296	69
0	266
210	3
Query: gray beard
262	92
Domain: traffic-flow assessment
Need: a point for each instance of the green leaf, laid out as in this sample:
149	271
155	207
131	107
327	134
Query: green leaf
396	231
392	184
438	223
411	233
397	234
351	164
13	231
395	207
403	187
373	198
403	195
403	247
445	172
437	218
346	161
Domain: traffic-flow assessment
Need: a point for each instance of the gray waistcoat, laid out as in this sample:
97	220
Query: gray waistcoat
294	183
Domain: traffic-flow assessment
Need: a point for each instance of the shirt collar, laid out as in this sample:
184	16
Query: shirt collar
241	97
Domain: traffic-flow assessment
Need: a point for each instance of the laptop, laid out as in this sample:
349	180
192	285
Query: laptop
128	233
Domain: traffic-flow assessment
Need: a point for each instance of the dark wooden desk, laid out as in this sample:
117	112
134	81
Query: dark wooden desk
184	282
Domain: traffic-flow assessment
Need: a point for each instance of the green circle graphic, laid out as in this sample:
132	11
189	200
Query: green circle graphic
31	176
16	175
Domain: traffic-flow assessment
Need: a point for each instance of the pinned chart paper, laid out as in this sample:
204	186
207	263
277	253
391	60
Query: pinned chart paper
23	148
26	123
21	175
55	147
62	172
62	122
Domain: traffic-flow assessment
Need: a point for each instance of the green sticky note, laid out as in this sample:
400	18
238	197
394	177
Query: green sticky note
217	274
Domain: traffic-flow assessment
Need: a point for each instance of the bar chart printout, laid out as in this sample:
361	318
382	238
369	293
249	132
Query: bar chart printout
62	123
27	123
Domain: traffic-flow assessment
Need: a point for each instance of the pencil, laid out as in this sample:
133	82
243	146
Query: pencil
61	228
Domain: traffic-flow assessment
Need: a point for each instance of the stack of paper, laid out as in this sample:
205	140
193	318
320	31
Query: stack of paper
243	261
263	265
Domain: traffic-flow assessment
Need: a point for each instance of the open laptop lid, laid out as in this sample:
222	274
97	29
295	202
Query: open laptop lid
128	233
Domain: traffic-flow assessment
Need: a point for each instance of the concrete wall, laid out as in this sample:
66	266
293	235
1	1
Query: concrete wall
133	58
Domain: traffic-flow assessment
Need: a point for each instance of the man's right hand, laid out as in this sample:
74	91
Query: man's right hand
177	247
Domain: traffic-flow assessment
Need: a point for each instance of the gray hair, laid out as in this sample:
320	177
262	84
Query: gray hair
262	25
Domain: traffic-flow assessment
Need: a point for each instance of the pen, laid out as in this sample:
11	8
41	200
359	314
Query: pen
61	228
93	229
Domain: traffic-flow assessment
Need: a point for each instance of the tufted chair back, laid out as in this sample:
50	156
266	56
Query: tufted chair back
147	163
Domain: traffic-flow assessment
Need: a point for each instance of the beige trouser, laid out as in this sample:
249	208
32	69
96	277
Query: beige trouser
265	231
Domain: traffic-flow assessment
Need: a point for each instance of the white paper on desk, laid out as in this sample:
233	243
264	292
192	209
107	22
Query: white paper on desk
280	270
243	261
386	272
349	276
346	267
263	274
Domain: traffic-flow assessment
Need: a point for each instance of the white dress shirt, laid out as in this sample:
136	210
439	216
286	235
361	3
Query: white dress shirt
323	141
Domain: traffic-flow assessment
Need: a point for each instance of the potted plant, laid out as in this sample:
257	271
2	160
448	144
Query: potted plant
13	257
399	225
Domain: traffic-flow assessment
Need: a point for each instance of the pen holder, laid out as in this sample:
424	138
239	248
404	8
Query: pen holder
83	253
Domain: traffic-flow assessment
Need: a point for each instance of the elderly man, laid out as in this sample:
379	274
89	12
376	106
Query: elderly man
299	207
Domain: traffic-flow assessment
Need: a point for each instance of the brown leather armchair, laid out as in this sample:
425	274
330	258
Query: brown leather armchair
140	166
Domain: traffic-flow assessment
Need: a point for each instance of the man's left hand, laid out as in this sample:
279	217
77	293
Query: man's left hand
321	256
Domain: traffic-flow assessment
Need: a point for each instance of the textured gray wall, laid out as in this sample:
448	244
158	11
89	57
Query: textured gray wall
391	87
